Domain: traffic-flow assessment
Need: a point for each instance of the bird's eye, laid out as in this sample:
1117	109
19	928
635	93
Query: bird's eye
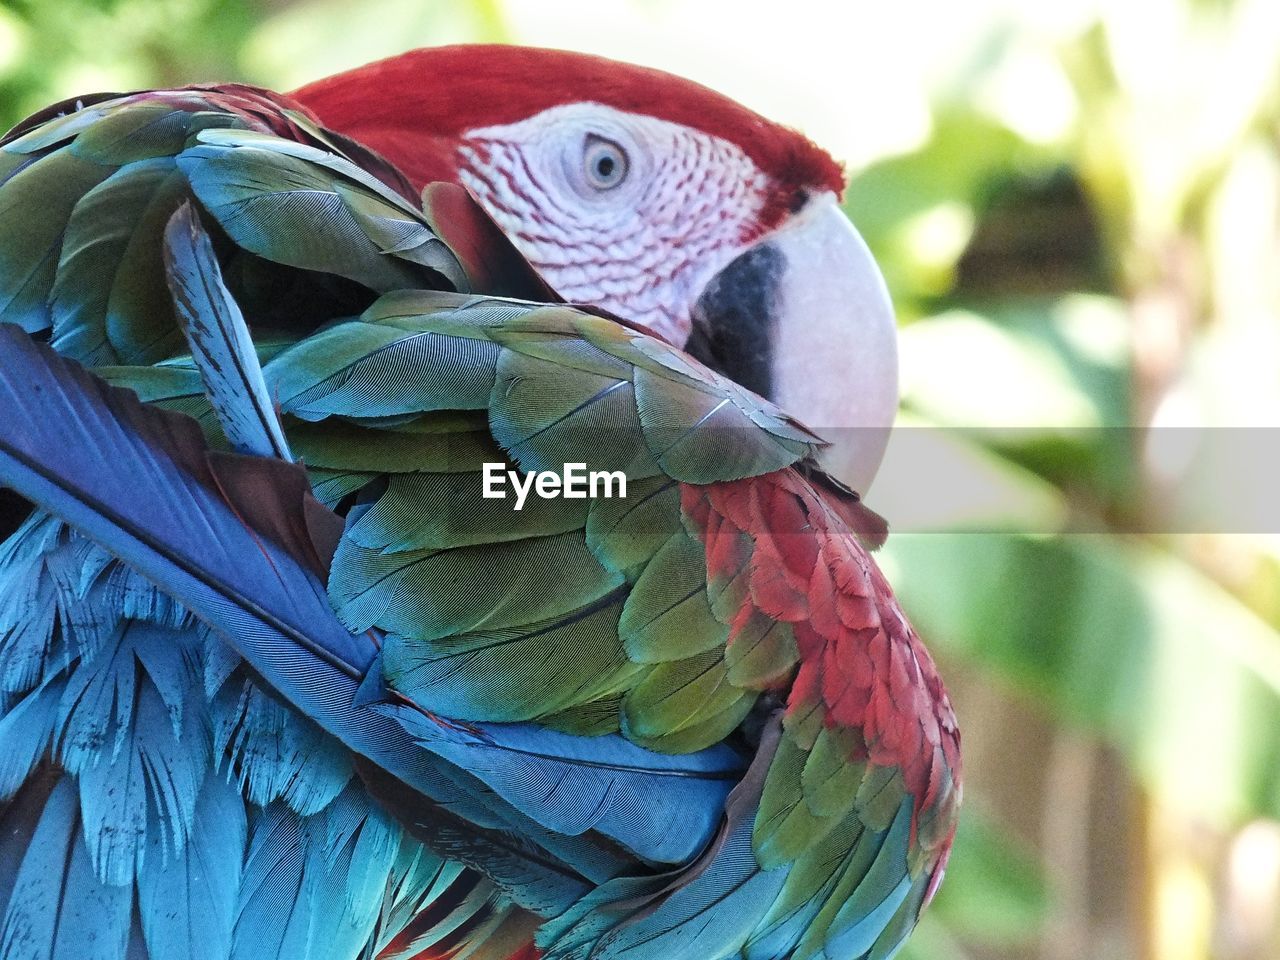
604	163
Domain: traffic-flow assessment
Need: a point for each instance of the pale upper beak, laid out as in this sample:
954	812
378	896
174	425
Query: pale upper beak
803	318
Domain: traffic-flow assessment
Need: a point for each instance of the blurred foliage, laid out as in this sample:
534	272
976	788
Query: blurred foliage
1065	282
51	50
1077	209
996	892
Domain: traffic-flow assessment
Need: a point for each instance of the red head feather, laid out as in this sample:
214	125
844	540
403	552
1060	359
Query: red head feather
414	108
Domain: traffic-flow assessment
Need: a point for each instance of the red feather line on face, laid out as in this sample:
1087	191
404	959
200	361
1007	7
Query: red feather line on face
860	661
414	108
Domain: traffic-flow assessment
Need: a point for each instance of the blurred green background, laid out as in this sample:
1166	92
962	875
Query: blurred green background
1077	207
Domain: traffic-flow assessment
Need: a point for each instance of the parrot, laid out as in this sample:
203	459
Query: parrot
279	679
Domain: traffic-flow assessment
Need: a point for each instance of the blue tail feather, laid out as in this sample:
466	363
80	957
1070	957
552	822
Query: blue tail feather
187	898
59	909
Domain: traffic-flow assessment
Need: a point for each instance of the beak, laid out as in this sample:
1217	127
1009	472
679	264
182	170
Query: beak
803	318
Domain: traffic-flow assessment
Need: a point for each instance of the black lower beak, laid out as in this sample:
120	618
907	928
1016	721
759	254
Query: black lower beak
735	319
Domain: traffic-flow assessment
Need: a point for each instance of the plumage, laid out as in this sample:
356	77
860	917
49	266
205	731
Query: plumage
216	333
604	784
315	216
187	901
59	908
277	677
108	275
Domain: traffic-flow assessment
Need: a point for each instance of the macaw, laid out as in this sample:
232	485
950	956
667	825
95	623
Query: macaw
279	680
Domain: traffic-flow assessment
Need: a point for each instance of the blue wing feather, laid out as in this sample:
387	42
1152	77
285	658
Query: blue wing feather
111	467
59	909
273	751
868	909
573	784
266	924
350	853
314	886
26	731
140	759
220	342
418	878
28	604
707	917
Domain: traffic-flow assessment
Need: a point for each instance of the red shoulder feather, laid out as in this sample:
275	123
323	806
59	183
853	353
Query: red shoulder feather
861	665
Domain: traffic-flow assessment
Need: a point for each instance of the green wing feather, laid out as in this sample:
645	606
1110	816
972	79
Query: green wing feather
85	196
485	605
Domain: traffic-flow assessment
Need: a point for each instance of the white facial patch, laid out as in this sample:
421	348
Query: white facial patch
623	211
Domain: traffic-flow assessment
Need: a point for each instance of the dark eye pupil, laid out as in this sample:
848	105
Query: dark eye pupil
604	167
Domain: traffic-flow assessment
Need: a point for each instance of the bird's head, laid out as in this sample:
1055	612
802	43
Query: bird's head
661	201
